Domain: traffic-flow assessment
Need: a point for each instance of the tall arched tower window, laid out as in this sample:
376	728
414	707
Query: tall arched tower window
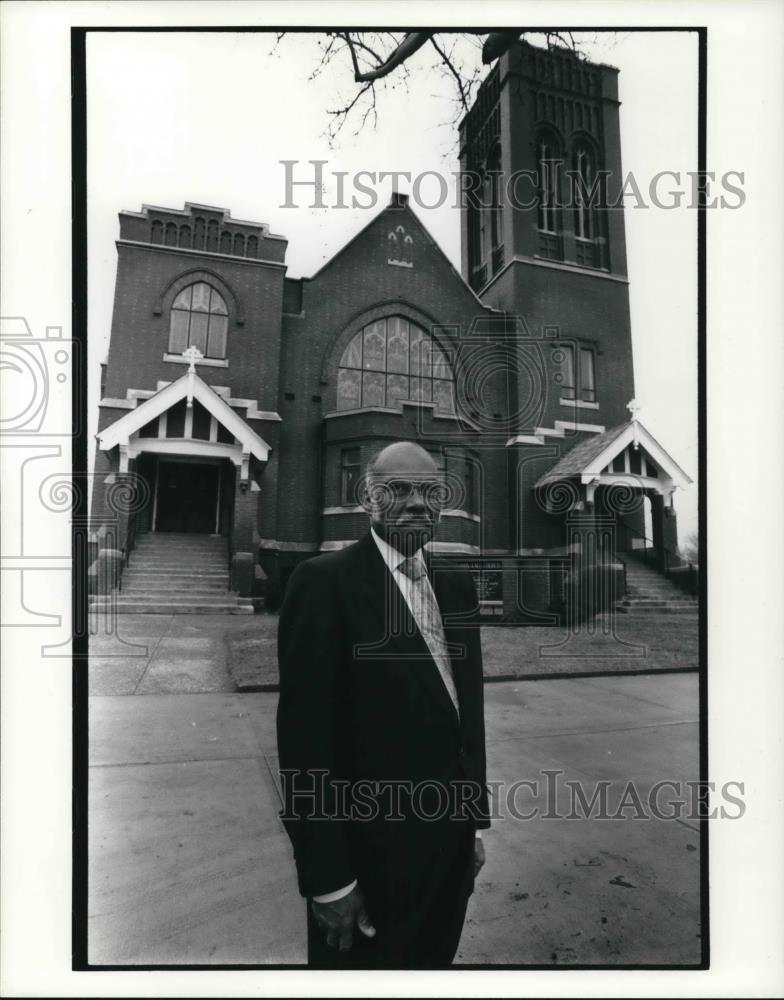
587	196
199	318
494	208
390	360
548	164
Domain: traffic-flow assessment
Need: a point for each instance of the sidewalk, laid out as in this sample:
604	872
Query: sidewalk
189	863
157	654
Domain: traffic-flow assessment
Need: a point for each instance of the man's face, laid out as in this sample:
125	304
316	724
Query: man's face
406	499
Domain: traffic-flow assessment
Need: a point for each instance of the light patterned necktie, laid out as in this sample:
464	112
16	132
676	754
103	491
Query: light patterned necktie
428	618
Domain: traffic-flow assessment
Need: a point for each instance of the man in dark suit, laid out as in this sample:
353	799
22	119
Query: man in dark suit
381	734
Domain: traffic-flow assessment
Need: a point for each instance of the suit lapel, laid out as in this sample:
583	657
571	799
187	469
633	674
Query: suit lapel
399	634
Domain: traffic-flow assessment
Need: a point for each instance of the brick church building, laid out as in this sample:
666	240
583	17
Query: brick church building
241	404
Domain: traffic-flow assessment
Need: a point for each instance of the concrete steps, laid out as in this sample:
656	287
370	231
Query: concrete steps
176	574
650	593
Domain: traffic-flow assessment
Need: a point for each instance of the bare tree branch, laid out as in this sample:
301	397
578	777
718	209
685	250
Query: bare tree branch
458	79
375	55
411	43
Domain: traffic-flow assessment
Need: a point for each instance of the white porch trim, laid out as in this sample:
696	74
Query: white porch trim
183	446
189	386
636	432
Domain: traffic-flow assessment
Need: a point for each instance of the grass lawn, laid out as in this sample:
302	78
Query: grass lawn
630	643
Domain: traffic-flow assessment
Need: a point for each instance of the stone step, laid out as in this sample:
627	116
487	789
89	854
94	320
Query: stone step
213	575
657	607
176	550
138	566
163	593
172	550
678	609
172	538
647	578
206	535
643	602
653	589
162	581
171	607
141	608
179	564
181	546
673	595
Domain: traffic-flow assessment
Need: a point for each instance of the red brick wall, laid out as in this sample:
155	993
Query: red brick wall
140	338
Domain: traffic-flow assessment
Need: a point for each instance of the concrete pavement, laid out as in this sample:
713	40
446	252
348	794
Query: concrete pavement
189	863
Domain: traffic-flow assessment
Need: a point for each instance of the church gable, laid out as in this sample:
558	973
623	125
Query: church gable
399	258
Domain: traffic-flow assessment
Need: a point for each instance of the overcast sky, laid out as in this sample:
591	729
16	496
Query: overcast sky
207	118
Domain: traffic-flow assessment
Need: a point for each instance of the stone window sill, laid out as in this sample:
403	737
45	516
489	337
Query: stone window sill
580	403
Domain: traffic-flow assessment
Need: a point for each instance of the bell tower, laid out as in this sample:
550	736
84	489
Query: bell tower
541	163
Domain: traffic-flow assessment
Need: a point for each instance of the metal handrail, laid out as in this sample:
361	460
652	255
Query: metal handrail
130	544
666	552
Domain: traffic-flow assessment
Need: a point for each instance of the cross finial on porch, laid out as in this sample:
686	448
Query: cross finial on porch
193	356
634	408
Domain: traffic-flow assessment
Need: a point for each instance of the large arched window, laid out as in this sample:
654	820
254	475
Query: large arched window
390	360
199	318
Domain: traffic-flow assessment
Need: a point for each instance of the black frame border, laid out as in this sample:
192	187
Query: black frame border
80	618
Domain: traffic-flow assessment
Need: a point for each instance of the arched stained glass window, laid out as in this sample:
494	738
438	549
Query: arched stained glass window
393	359
199	318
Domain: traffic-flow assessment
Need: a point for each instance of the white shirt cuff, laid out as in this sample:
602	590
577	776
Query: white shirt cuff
331	897
478	834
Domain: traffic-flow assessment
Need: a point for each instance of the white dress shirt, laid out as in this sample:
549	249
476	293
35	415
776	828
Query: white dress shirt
393	559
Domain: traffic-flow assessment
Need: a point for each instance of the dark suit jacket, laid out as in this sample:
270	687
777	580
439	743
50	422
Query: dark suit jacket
361	700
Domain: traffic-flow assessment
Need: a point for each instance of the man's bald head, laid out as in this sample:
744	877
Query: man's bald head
403	459
401	481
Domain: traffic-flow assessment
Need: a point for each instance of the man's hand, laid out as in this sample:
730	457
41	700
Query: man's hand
338	919
479	855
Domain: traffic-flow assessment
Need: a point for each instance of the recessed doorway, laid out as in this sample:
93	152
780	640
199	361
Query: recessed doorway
187	497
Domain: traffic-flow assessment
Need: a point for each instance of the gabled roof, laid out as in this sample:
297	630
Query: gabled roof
399	204
189	385
591	456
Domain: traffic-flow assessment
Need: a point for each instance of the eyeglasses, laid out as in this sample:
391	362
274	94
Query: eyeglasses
433	492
